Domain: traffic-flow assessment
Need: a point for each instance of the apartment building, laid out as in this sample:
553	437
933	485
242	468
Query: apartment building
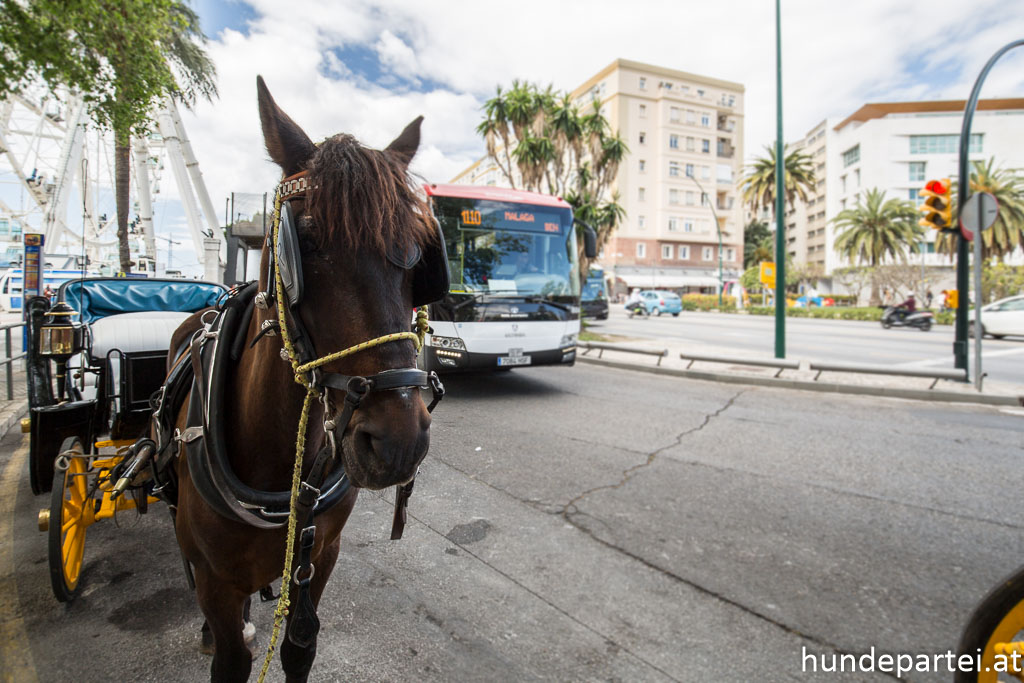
895	147
679	183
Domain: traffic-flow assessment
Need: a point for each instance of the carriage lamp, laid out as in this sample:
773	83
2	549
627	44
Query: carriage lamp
60	338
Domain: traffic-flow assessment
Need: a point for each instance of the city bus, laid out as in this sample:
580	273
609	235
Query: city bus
514	298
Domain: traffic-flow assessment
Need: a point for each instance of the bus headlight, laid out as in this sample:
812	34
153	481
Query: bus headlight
447	342
568	339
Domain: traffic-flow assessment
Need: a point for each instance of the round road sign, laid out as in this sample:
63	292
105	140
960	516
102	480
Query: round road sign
979	213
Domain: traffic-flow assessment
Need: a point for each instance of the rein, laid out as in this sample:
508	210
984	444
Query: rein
317	387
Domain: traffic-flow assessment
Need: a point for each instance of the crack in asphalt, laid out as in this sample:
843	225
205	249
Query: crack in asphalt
628	473
571	511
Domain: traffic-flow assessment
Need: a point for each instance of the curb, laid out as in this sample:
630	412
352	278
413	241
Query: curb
830	387
11	421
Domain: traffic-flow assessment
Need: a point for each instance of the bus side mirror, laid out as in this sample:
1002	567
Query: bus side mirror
589	240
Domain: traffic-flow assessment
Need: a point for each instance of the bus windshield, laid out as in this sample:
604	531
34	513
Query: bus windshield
509	248
593	289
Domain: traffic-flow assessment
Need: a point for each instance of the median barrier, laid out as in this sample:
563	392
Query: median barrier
601	347
957	375
780	363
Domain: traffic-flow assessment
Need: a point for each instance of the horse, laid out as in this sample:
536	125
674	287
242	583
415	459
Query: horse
354	252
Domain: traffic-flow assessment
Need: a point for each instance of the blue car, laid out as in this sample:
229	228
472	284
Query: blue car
659	301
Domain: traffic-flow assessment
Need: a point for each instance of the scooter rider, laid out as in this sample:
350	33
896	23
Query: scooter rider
634	301
906	308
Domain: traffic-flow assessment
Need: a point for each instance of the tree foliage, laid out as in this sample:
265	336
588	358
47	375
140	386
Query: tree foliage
543	142
1007	234
875	229
757	243
123	56
759	182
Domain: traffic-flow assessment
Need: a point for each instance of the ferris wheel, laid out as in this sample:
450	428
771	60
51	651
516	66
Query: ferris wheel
57	178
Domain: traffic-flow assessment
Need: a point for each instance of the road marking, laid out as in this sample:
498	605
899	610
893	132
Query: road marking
16	663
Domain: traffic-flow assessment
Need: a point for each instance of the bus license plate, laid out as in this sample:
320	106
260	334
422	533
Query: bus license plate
514	360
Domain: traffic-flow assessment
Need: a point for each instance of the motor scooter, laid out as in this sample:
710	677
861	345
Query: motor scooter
637	308
897	317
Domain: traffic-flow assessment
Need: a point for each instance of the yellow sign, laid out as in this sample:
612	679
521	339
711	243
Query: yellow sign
767	273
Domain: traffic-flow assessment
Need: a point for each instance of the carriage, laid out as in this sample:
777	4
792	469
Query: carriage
94	360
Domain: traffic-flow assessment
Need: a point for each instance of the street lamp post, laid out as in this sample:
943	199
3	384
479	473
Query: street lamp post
718	226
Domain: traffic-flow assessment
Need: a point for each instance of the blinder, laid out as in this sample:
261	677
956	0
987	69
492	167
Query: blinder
429	265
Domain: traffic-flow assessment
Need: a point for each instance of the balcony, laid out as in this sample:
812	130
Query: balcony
725	149
726	125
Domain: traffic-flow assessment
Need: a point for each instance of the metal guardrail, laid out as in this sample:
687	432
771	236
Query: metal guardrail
8	360
958	375
780	363
602	347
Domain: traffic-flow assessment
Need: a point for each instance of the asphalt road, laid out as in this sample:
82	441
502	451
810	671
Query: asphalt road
589	523
845	341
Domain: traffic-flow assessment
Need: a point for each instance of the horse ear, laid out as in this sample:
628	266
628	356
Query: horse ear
405	145
287	144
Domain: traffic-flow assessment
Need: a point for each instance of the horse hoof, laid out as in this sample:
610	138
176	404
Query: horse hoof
206	643
249	633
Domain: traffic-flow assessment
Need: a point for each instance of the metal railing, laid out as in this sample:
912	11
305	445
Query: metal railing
602	347
957	375
8	360
780	363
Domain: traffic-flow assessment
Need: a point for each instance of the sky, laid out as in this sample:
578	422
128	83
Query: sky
369	68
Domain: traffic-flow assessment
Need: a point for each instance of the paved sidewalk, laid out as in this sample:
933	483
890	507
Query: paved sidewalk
802	378
12	411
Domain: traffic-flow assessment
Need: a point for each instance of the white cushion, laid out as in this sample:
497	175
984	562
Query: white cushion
135	332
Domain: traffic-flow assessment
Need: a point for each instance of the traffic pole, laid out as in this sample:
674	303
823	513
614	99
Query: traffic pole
780	219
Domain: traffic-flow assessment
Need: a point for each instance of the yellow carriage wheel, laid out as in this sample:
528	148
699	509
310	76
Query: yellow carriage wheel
71	513
996	631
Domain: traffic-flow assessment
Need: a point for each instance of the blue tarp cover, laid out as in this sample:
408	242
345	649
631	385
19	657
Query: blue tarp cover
95	299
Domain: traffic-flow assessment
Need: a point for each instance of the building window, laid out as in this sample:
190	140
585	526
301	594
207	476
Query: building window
707	253
690	144
730	254
852	155
673	114
684	252
673	141
724	173
691	116
641	250
643	111
666	251
689	198
842	184
856	176
943	144
642	165
641	222
705	172
916	171
703	198
673	168
642	138
705	120
705	146
700	92
641	194
689	170
673	225
643	83
673	196
915	196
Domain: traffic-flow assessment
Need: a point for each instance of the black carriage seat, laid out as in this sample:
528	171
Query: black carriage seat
131	348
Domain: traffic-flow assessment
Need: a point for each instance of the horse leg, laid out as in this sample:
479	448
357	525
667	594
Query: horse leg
297	661
222	606
248	630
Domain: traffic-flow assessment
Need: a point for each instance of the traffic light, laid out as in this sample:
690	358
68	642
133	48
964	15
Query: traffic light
938	206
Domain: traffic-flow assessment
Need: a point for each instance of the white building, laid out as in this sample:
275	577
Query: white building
896	147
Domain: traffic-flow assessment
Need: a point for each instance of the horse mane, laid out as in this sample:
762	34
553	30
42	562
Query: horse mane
363	198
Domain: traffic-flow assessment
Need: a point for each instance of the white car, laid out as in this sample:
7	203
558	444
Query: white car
1001	318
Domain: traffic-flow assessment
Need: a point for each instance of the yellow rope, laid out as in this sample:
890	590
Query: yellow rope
422	327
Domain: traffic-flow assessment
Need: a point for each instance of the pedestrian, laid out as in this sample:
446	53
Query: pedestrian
48	293
928	296
887	297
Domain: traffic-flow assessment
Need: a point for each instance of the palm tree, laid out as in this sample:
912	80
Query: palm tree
759	183
192	74
877	228
1007	233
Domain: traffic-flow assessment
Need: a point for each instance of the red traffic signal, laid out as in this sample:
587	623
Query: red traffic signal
937	207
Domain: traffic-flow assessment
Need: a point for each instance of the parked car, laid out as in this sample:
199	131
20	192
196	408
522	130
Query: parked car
658	301
1001	318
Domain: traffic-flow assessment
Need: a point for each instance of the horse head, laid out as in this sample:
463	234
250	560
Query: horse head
364	241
